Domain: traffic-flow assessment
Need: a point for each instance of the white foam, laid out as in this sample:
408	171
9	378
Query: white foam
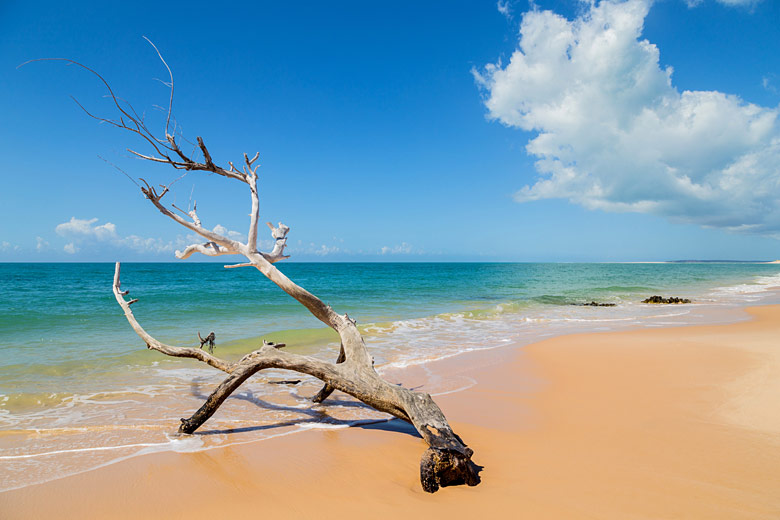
760	284
322	426
81	450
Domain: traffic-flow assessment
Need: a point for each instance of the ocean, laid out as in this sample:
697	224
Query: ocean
78	388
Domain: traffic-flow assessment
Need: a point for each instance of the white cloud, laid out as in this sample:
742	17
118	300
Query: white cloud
8	246
739	3
83	232
313	249
324	250
729	3
225	232
613	133
503	8
402	249
768	85
79	227
41	244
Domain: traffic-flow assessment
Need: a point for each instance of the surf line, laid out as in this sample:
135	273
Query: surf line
76	450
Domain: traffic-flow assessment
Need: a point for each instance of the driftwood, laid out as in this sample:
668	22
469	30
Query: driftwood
447	461
208	340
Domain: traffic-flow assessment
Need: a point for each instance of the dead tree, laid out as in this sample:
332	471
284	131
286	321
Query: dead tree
447	461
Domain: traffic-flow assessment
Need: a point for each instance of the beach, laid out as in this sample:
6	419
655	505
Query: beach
493	259
677	422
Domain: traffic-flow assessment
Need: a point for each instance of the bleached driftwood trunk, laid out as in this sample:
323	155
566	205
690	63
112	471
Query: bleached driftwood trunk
447	461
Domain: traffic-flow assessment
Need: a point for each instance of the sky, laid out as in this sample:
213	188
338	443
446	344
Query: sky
405	131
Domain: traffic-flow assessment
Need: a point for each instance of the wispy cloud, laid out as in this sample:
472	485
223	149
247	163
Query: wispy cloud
739	3
611	132
322	250
749	4
504	8
768	84
41	244
314	249
401	249
8	247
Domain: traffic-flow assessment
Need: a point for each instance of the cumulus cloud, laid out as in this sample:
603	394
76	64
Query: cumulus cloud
225	232
611	132
82	228
85	231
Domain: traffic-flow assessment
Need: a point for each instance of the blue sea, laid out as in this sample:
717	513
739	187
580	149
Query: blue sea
78	388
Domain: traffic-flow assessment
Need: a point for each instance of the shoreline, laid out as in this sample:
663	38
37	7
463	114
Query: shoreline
560	432
338	414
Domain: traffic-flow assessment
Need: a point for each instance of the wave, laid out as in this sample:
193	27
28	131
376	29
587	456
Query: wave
760	284
623	289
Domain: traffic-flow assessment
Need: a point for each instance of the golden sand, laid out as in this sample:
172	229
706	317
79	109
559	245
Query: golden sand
663	423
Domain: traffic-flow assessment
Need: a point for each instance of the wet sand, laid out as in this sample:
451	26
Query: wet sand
653	423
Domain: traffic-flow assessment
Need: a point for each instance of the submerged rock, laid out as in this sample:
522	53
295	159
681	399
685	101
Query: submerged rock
595	304
661	299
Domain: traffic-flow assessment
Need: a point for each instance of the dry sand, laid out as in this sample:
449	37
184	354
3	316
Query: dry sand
662	423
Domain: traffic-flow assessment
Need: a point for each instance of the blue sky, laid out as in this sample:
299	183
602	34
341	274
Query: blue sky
411	131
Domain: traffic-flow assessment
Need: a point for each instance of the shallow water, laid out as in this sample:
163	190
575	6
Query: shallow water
79	390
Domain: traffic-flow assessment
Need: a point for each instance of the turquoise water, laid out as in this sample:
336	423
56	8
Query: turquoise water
78	388
59	313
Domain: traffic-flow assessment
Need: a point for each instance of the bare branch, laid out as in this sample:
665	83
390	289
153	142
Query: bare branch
145	133
120	170
206	154
153	344
279	235
222	245
254	215
164	159
193	214
170	74
208	249
233	266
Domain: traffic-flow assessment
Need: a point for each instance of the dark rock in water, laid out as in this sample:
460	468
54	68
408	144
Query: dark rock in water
661	299
595	304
